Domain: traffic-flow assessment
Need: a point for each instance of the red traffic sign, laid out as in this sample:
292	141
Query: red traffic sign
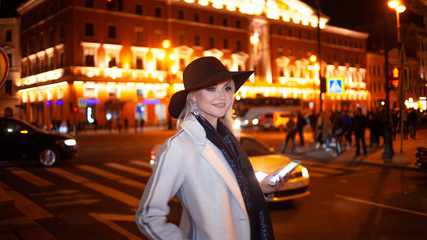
4	67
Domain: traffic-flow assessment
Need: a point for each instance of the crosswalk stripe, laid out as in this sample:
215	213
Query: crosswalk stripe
28	207
141	163
113	193
31	178
68	175
108	218
133	183
129	169
112	176
100	172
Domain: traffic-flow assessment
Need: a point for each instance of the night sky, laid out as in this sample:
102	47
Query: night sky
350	13
8	8
342	13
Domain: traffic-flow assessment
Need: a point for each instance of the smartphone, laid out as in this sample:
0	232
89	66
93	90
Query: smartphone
287	169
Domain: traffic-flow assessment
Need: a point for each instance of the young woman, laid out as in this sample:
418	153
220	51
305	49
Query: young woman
204	165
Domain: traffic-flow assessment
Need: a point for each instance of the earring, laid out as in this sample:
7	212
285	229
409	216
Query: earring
196	110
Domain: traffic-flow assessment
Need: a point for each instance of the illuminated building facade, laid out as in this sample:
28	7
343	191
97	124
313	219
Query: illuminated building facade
104	60
415	42
10	43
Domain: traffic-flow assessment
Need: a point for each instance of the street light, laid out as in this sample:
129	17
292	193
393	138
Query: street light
388	151
166	57
399	8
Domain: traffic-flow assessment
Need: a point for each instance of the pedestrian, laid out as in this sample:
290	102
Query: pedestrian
142	122
395	123
119	124
95	124
53	128
313	120
405	123
338	132
301	122
126	124
360	123
109	125
347	119
412	123
324	130
373	130
68	125
291	128
204	165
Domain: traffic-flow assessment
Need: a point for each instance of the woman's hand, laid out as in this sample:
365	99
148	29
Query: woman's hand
266	186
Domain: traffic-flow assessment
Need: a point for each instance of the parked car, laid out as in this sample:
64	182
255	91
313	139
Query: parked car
275	120
19	141
421	155
265	161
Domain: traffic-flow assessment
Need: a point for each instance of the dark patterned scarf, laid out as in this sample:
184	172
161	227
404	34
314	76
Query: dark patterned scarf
224	139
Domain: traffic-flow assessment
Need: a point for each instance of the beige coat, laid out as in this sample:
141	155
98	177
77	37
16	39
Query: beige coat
195	170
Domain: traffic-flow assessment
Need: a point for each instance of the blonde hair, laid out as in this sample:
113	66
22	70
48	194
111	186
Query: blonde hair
186	113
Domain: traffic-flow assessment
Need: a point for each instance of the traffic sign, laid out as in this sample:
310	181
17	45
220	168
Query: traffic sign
82	103
335	85
4	67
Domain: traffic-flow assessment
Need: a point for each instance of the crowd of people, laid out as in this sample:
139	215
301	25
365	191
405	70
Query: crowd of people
336	129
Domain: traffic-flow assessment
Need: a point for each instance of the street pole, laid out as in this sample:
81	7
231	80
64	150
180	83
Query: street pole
388	141
401	65
399	8
319	57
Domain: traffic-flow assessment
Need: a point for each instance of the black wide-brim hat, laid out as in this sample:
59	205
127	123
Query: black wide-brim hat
201	73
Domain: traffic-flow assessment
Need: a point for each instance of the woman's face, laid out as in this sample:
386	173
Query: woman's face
214	100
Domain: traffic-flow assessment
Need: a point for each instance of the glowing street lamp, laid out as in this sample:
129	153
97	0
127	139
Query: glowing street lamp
399	8
166	44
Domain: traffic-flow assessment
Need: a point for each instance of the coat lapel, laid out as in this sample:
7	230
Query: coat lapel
219	165
218	162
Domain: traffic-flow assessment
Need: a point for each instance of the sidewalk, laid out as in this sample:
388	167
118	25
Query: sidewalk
374	156
130	130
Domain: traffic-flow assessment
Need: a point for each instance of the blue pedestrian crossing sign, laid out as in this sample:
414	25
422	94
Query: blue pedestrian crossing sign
335	85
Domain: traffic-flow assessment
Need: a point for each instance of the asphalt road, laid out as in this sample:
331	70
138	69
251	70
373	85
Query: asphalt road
95	195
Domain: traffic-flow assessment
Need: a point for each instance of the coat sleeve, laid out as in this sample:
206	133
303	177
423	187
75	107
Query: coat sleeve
164	183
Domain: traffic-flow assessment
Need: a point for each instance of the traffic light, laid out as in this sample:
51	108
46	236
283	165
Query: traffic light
394	78
73	109
111	5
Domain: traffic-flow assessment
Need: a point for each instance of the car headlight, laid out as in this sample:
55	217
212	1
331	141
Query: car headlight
305	172
70	142
236	124
255	121
260	176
